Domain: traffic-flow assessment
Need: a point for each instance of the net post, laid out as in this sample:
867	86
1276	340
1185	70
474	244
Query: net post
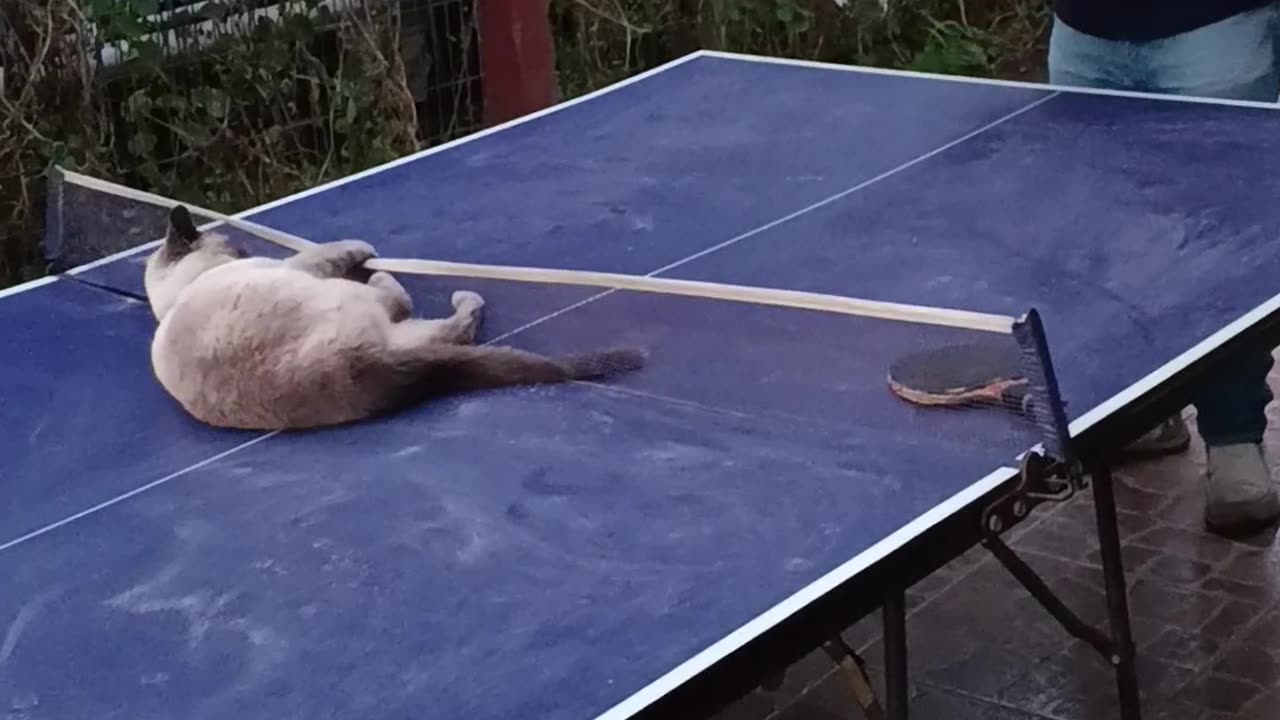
1047	406
51	241
1049	472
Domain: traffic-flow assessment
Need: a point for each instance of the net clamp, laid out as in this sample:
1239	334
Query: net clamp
1040	480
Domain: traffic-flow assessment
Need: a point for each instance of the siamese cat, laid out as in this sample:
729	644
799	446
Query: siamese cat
263	344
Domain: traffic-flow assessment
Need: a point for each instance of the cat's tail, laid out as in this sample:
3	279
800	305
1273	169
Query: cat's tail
440	369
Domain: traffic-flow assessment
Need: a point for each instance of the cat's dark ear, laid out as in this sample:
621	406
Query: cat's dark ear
182	234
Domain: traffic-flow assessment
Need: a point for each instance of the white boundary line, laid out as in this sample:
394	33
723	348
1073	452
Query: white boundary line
136	491
967	80
28	285
805	596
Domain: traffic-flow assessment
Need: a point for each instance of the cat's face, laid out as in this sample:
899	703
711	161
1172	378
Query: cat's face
185	254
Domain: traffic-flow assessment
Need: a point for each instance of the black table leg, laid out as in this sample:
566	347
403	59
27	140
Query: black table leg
1123	657
894	619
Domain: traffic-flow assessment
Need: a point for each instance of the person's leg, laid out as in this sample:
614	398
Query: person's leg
1233	59
1080	60
1231	413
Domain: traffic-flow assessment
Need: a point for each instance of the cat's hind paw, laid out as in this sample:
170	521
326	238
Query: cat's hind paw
465	301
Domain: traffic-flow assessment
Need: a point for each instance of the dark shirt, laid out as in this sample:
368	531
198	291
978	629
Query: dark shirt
1146	20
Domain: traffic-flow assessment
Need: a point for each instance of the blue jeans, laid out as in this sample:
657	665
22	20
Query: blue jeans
1238	58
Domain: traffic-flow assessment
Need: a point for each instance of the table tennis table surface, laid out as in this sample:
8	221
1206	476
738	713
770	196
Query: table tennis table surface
579	551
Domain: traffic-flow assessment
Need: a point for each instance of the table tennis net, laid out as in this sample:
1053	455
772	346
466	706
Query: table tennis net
898	372
83	225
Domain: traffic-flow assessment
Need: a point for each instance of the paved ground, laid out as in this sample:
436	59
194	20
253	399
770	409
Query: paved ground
1206	615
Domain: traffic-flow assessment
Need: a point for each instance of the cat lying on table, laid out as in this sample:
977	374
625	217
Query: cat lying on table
265	344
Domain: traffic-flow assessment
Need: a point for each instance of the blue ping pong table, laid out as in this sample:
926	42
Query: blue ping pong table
653	546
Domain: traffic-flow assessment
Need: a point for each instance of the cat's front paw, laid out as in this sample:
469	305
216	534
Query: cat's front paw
356	250
467	301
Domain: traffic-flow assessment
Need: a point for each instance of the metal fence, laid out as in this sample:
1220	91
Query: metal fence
439	43
440	46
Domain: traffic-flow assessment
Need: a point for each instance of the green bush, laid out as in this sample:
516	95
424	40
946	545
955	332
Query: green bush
219	108
601	41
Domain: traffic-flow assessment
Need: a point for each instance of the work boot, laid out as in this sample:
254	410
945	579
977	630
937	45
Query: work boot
1167	438
1241	496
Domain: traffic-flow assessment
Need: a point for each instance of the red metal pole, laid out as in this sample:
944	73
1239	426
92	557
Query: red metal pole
517	58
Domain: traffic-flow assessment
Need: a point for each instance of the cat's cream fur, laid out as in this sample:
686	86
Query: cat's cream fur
265	344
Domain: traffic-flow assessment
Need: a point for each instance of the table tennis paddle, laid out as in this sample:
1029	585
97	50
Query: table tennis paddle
969	374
